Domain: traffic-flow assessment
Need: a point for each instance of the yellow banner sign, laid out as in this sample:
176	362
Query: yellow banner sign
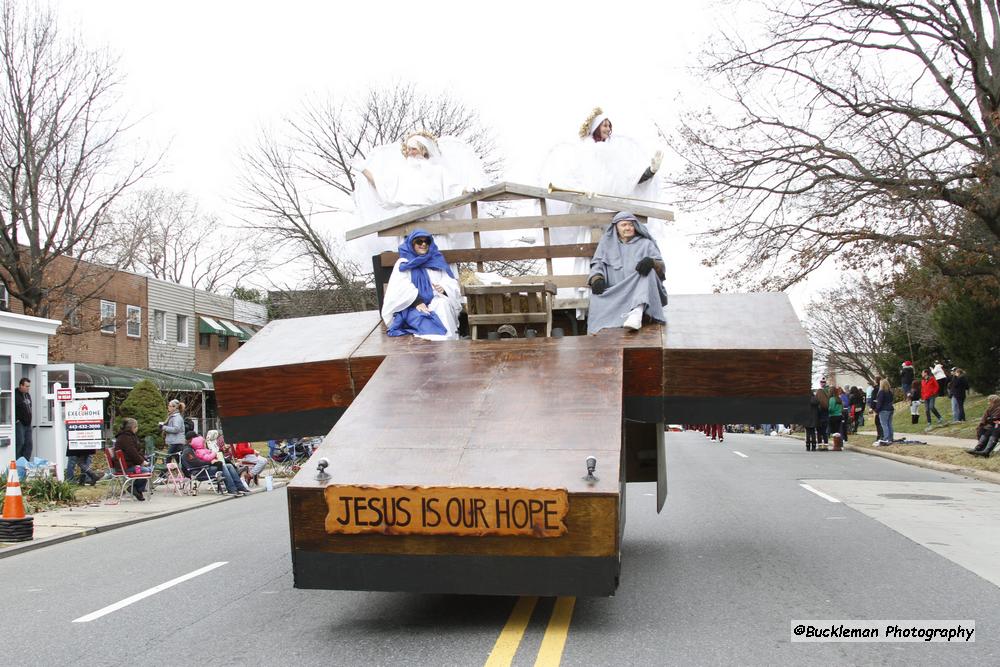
442	510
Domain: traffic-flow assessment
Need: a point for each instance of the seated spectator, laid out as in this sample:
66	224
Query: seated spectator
216	463
422	299
246	454
988	431
626	277
127	442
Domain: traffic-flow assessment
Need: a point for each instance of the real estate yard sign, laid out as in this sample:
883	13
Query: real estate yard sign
84	423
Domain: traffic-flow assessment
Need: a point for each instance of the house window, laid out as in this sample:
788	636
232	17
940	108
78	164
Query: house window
108	311
223	342
204	340
4	298
6	393
133	321
182	330
159	326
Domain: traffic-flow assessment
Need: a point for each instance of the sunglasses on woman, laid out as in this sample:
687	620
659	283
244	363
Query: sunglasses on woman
423	240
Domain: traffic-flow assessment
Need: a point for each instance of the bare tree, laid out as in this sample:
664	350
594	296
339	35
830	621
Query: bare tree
858	128
293	178
179	243
851	328
848	330
59	141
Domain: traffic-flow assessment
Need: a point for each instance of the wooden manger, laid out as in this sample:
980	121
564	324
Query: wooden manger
461	466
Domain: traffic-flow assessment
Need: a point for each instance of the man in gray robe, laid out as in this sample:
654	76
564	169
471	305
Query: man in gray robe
626	277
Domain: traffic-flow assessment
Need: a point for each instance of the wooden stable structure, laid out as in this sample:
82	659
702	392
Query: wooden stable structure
462	466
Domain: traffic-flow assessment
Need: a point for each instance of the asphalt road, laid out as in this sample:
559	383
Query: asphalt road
740	550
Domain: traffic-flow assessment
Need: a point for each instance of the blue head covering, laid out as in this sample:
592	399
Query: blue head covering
417	265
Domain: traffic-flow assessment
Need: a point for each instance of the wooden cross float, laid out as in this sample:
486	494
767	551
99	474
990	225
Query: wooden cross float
461	466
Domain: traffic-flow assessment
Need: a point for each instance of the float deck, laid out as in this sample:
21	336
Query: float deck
491	422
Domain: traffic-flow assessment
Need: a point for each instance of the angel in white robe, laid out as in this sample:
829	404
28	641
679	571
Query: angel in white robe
422	297
424	171
605	164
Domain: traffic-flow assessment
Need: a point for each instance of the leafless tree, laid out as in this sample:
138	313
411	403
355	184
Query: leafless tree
176	241
59	146
848	330
305	170
854	129
851	327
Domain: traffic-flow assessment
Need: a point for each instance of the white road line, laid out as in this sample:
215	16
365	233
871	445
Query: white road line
146	593
740	454
819	493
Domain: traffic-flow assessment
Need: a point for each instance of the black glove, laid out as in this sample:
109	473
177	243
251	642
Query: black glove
644	266
598	285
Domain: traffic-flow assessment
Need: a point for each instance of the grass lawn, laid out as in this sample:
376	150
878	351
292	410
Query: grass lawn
975	406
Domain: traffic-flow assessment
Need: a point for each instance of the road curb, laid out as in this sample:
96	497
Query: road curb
981	475
24	547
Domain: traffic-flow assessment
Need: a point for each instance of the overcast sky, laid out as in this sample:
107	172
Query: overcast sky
205	76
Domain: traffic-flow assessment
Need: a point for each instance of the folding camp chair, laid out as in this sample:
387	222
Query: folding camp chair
122	482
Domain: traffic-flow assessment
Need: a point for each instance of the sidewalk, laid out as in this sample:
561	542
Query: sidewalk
67	523
931	439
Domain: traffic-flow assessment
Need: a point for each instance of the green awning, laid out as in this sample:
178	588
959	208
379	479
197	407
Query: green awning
207	325
233	330
118	377
247	330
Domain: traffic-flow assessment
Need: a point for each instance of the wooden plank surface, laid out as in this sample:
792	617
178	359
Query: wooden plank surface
530	191
445	418
506	223
388	258
303	340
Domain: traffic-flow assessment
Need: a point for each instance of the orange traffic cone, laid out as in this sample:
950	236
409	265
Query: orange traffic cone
13	502
14	525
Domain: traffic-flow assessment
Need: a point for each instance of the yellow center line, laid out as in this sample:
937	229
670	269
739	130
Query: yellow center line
510	637
550	653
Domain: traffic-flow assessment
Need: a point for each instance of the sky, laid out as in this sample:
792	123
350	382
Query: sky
204	77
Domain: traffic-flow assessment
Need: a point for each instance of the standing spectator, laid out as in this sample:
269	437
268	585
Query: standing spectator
928	393
811	424
871	404
823	421
941	376
845	422
906	377
127	442
915	405
22	420
836	411
857	408
173	429
958	388
885	408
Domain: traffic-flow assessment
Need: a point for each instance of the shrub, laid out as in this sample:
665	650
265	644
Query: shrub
146	405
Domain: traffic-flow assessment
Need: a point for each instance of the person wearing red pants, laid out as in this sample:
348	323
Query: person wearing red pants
715	430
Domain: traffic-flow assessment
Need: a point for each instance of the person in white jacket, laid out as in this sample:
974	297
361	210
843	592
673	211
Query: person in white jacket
422	299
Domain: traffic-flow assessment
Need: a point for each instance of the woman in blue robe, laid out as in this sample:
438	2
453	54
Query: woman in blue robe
422	299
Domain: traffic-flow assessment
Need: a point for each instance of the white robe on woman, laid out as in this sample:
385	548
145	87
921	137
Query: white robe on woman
401	292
